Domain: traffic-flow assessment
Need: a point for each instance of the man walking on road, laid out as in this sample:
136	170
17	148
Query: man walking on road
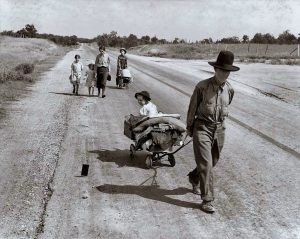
205	123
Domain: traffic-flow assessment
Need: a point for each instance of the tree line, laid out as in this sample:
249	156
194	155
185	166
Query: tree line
285	37
29	31
112	39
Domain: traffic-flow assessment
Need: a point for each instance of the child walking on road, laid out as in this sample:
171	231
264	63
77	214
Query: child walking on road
76	72
90	76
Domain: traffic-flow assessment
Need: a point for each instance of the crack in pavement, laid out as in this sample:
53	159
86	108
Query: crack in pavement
50	149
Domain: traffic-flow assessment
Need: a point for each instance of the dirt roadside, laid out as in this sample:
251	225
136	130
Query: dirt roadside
29	151
42	54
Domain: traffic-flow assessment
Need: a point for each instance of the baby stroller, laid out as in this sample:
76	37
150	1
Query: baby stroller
157	135
125	78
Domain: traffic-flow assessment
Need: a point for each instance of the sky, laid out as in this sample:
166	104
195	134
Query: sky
186	19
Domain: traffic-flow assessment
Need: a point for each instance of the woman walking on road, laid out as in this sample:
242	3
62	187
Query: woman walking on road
76	72
102	65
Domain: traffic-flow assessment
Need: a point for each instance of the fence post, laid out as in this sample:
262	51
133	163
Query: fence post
298	50
266	49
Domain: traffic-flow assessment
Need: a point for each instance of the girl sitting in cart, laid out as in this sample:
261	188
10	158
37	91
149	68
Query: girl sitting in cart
148	108
154	132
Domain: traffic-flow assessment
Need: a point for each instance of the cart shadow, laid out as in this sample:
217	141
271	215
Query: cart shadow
152	192
120	157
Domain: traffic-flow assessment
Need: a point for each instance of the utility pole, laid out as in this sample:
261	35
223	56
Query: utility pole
298	45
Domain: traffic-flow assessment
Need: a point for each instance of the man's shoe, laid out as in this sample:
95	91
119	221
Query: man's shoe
207	207
196	189
103	96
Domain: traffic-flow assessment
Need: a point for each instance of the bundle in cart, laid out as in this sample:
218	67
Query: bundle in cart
158	135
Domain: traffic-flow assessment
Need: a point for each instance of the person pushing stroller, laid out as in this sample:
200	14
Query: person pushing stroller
121	64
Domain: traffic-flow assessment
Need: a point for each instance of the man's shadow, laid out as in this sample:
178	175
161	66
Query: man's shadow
152	192
121	157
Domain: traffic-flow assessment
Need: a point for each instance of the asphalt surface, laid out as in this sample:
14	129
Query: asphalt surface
48	135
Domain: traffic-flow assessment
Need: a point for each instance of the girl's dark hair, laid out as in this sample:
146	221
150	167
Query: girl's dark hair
102	48
91	66
77	56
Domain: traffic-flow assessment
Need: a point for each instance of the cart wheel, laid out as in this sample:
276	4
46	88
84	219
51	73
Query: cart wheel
149	161
132	150
155	158
171	159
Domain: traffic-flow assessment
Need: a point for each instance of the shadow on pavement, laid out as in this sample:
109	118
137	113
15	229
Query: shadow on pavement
120	157
152	192
70	94
112	87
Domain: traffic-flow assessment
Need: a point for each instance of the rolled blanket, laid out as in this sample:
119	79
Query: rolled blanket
177	116
130	122
176	124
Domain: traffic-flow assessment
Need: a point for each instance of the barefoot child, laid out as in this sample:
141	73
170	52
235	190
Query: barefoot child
148	108
90	76
76	72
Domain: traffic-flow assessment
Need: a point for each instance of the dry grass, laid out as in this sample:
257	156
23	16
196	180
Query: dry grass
279	54
25	68
21	62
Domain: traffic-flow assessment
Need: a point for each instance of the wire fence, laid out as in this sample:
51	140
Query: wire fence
252	49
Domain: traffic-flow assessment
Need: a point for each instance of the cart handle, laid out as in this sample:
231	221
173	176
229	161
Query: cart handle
182	146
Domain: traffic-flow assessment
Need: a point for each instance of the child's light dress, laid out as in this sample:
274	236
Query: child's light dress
90	78
76	69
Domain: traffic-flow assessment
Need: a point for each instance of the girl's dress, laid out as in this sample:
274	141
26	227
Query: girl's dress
90	78
149	110
76	69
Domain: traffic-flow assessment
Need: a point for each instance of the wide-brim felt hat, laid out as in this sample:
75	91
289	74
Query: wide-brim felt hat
123	49
144	93
225	61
